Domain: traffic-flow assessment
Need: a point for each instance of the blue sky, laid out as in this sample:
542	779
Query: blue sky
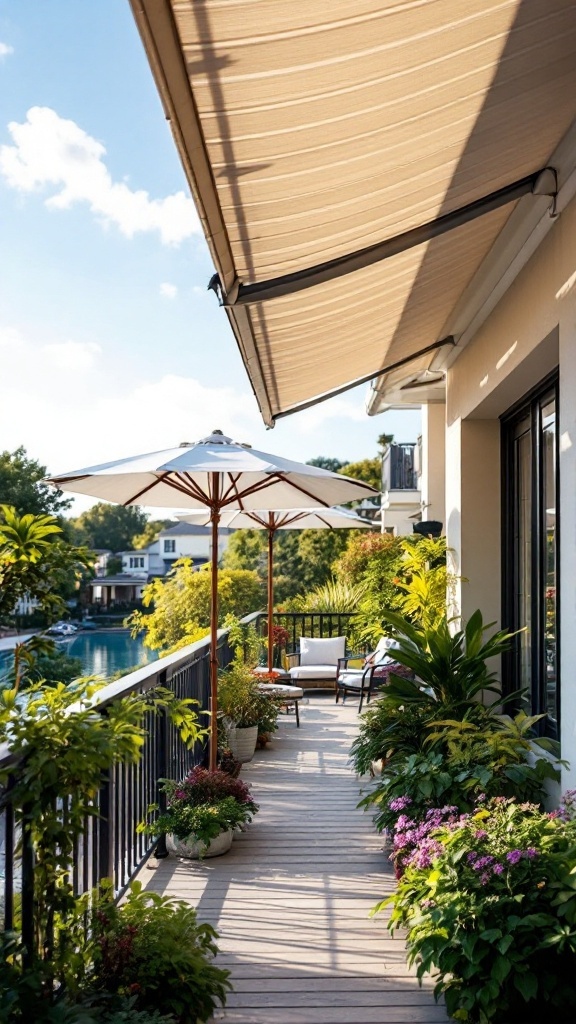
110	344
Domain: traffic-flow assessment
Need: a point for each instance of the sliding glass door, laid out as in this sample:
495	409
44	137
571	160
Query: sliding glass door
531	551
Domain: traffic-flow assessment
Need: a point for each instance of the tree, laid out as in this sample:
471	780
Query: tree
21	486
318	550
109	526
181	603
246	550
332	465
368	470
150	532
37	562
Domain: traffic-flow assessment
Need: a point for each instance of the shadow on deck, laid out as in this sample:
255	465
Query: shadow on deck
291	899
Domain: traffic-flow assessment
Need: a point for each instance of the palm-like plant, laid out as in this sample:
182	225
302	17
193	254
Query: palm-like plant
450	667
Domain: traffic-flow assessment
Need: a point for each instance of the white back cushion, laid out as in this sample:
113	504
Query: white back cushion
384	645
325	651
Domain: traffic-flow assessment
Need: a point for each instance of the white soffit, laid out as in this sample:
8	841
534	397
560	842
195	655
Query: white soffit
313	131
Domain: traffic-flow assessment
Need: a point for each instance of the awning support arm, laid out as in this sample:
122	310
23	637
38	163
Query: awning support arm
449	340
541	183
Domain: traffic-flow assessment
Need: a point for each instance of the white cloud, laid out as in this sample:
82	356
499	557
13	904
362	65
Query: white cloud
5	50
168	291
52	153
72	356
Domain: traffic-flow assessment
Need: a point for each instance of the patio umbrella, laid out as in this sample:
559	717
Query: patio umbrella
214	473
272	521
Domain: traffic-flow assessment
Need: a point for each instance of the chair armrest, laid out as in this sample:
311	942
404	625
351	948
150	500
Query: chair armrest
343	662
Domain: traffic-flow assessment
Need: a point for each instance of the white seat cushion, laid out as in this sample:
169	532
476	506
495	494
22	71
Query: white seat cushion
282	690
352	680
322	650
313	672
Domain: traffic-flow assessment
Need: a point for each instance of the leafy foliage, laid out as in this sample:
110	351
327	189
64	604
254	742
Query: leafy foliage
22	487
451	668
240	700
202	823
332	596
181	604
152	948
64	748
491	912
36	561
109	526
368	470
495	764
246	549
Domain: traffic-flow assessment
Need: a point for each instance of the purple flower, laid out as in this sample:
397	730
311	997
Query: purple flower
481	798
514	856
483	862
531	852
480	834
404	821
497	869
485	878
399	803
471	857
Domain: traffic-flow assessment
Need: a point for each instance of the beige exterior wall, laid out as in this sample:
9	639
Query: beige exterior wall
433	477
530	332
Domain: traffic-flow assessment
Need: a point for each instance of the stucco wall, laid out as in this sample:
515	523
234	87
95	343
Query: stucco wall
530	332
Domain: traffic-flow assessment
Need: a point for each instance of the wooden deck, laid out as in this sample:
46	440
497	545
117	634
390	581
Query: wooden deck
291	899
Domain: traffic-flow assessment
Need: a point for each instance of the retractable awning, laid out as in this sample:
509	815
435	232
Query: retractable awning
354	162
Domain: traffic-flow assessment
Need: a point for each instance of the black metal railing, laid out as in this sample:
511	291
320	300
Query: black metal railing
399	471
111	846
312	624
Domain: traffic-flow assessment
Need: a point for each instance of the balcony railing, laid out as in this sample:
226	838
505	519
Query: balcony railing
111	846
399	471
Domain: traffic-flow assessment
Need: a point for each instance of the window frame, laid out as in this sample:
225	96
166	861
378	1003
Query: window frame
530	407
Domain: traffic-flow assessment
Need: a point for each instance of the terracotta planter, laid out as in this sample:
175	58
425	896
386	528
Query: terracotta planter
243	742
198	851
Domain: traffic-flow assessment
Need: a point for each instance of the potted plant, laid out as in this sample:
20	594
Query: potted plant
202	812
244	706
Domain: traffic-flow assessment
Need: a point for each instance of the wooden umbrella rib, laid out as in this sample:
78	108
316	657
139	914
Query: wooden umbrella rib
162	478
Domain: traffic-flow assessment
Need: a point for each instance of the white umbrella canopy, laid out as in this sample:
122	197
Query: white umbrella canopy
214	473
272	521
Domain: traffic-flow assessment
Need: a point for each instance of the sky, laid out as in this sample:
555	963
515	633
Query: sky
110	343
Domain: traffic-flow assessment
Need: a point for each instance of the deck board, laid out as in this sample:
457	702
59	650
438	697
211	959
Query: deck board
291	899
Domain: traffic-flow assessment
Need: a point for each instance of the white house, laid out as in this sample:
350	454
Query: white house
180	541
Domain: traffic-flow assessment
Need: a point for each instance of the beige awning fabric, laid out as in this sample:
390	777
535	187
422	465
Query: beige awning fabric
310	131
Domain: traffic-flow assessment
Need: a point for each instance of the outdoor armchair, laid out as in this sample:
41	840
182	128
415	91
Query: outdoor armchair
315	665
371	677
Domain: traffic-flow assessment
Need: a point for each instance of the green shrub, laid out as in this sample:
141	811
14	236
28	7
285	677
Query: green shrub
152	948
469	762
491	912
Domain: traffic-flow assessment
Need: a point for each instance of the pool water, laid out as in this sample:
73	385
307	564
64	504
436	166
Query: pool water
103	653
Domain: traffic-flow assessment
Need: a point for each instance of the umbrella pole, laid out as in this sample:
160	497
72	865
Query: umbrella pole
215	519
270	598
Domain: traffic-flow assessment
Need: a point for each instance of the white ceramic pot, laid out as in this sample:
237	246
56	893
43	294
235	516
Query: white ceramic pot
243	742
198	851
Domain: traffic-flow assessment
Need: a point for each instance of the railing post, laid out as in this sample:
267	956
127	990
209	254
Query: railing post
161	726
28	936
106	827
